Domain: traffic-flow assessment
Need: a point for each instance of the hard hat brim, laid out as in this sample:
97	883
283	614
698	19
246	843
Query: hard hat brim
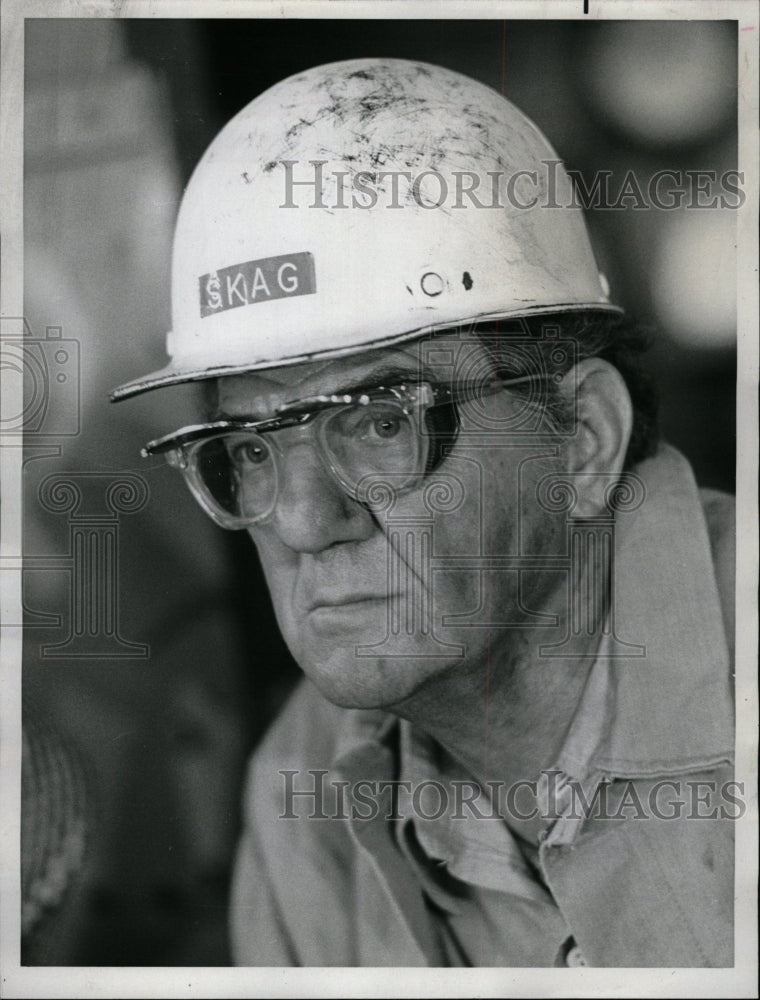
177	374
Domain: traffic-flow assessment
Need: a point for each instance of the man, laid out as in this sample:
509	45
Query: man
513	742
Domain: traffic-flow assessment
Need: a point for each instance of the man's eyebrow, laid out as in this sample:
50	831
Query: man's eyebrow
384	374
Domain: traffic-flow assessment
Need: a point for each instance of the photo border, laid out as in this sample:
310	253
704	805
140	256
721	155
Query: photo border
18	981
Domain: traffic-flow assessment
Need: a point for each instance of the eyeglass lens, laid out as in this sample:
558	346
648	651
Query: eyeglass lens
239	470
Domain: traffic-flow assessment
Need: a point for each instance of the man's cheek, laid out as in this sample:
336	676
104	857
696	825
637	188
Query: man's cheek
458	592
280	580
276	560
446	517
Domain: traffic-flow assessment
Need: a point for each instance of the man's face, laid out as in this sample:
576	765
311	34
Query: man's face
365	596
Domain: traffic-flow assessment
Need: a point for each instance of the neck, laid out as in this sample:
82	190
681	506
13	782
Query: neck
506	717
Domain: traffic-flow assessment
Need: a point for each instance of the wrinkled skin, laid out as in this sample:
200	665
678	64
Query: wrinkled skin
326	556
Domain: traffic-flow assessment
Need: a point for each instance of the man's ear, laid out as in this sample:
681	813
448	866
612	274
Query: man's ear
603	421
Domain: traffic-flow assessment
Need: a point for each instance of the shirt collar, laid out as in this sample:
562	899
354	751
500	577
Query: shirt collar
482	852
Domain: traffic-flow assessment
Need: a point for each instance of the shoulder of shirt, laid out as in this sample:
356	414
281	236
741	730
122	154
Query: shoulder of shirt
720	517
307	721
309	733
720	514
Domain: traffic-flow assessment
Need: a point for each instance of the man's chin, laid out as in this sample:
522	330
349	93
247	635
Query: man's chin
367	682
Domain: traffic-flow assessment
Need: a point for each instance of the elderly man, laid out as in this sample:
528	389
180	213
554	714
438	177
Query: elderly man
511	604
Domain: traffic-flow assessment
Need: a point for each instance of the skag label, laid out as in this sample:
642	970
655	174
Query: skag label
257	281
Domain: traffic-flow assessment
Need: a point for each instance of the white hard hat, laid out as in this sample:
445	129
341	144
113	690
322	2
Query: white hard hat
360	204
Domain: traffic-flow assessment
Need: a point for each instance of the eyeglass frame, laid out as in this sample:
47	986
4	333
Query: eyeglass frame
301	412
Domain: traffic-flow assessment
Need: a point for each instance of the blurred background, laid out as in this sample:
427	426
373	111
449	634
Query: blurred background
154	707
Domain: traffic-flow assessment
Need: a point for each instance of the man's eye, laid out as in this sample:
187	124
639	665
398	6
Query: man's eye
386	427
374	424
249	453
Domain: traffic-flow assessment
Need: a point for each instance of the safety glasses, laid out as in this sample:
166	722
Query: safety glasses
394	435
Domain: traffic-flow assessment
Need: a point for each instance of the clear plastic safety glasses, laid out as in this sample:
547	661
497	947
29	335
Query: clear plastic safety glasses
395	434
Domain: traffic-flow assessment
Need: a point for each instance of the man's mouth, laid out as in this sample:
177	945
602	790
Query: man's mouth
353	612
349	600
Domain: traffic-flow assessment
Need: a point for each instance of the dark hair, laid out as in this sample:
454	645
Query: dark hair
615	338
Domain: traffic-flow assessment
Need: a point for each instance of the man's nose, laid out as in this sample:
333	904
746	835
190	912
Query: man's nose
313	511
